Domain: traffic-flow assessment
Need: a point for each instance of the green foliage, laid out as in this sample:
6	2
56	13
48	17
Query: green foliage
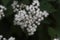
52	32
58	1
5	2
47	6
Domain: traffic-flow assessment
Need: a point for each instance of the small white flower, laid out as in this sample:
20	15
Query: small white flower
30	26
36	2
34	25
39	20
38	23
2	8
33	29
14	3
32	33
25	25
55	39
1	36
42	18
34	17
28	30
27	7
17	5
16	10
31	7
4	39
11	38
45	13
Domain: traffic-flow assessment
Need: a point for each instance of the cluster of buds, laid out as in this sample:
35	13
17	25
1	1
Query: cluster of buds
11	38
2	8
28	16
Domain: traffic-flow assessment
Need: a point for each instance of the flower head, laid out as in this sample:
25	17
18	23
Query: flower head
29	17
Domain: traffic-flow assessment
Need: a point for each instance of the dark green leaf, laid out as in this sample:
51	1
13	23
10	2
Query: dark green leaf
5	2
47	6
51	32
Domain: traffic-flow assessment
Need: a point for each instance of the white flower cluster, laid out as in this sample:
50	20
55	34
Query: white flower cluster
29	17
11	38
56	39
2	8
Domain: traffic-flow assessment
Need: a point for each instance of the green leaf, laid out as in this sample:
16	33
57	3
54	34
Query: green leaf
51	32
26	1
5	2
59	1
49	0
47	6
57	17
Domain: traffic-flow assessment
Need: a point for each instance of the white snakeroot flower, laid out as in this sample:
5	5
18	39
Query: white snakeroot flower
45	13
39	20
56	39
28	29
2	8
1	37
35	26
42	18
29	17
15	10
32	33
33	29
11	38
18	6
38	23
36	2
14	4
27	7
4	39
30	26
